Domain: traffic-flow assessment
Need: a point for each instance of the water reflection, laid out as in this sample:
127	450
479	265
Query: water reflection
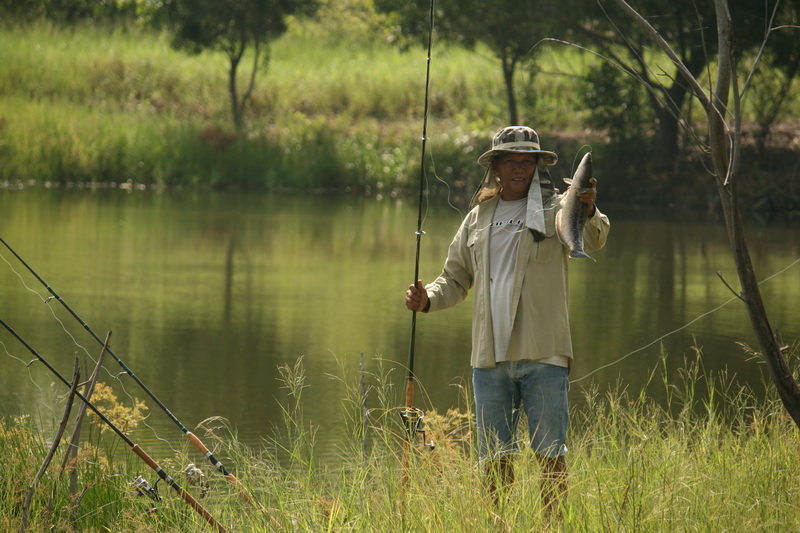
208	294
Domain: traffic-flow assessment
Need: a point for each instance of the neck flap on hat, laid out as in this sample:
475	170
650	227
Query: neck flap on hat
534	218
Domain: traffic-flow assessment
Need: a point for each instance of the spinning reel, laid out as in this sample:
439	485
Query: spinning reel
145	489
412	419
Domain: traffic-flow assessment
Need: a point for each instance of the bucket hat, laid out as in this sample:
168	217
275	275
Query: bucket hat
517	139
521	139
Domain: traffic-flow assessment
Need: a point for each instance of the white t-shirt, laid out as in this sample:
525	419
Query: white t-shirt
508	223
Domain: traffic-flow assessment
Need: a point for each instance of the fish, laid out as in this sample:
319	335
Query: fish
571	219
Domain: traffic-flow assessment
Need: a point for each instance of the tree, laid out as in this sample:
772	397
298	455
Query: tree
232	27
688	29
508	28
724	118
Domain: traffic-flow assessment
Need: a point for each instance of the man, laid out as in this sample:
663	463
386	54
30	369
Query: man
507	249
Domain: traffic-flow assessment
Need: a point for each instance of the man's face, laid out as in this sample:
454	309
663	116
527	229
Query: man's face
515	172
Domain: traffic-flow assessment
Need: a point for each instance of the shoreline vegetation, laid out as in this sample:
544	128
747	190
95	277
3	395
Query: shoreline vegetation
95	105
90	107
714	457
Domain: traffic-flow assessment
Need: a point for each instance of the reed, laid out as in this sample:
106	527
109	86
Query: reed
110	105
713	457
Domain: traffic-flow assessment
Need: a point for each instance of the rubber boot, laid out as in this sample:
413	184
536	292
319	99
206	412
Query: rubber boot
554	482
499	477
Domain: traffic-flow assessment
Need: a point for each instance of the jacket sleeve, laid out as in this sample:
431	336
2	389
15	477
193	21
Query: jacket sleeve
457	277
595	231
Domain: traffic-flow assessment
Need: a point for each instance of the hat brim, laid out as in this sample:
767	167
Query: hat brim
551	158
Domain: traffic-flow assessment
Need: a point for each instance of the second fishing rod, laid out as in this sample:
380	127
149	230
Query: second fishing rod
412	416
188	498
194	439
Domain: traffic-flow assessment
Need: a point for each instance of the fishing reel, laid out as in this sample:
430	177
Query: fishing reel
412	419
196	477
145	489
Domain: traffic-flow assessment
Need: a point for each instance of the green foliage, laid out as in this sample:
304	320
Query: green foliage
349	21
614	105
114	106
510	31
226	26
234	28
618	111
71	11
712	456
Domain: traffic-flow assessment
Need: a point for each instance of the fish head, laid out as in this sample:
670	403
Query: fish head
580	180
584	172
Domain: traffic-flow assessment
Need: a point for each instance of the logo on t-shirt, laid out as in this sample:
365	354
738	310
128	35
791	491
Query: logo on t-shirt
517	223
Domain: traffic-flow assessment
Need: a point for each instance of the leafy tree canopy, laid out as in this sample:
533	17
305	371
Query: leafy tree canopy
232	27
225	25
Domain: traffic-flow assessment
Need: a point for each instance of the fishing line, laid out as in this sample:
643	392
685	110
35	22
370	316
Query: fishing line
30	376
444	182
133	446
196	442
46	301
577	157
115	377
680	328
12	356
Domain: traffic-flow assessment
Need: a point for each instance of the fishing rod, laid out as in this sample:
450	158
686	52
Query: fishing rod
412	416
194	439
135	447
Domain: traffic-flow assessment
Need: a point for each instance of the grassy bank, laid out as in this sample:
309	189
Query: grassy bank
119	106
112	106
714	458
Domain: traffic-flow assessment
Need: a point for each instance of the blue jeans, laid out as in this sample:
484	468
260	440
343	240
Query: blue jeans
540	389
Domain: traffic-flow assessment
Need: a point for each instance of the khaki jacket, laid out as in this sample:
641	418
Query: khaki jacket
541	285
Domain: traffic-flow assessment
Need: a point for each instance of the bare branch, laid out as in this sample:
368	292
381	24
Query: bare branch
53	448
757	61
738	295
690	79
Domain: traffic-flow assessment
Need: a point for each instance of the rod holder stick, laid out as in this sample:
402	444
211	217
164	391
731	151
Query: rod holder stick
192	438
135	447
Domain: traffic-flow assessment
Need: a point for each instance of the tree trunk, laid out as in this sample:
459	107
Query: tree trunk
508	77
779	371
665	141
725	159
724	146
233	92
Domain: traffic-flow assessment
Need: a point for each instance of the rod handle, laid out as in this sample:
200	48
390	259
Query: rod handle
197	443
410	392
146	458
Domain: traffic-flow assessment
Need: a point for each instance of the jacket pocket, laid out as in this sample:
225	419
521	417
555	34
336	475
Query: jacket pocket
474	249
545	250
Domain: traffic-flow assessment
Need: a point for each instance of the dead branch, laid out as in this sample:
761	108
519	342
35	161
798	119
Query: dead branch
70	457
724	144
696	87
56	440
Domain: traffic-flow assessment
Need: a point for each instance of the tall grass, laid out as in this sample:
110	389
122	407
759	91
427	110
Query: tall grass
112	105
713	458
104	105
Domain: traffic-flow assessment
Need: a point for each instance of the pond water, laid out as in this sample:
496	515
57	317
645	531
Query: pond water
208	295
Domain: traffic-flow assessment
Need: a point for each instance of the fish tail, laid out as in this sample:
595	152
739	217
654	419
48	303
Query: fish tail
579	254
